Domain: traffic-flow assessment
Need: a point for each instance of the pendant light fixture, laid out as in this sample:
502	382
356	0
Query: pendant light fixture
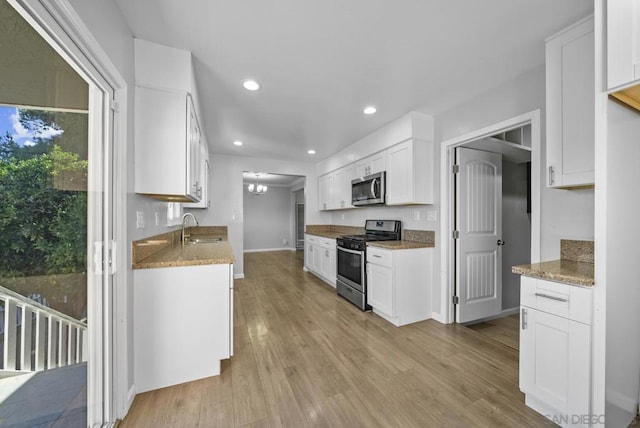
257	189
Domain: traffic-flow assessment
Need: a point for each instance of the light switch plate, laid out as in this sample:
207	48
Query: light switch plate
432	215
139	219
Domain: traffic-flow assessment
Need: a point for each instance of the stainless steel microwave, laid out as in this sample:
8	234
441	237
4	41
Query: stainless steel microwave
369	190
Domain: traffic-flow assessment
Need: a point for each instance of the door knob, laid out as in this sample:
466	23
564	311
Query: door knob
500	242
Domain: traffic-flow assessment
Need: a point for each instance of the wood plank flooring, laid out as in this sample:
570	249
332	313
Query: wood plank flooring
504	330
304	357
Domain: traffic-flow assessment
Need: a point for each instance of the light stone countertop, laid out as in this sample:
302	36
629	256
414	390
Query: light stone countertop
566	271
166	250
327	234
400	245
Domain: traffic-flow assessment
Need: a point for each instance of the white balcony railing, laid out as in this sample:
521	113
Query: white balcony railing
36	337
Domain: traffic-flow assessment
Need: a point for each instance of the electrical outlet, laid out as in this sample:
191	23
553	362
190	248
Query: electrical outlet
432	215
416	215
139	219
157	219
285	241
342	216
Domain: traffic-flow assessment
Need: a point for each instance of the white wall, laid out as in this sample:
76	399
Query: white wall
623	254
226	192
516	230
267	219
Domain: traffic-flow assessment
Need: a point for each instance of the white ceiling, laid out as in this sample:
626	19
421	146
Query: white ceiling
320	62
276	180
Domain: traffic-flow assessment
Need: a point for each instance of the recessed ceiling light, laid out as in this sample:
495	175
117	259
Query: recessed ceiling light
369	110
251	85
311	152
237	143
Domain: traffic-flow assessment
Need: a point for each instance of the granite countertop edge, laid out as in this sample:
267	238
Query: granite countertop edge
329	235
400	245
564	271
192	255
181	263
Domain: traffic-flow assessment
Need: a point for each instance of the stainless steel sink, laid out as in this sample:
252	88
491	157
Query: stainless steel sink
203	240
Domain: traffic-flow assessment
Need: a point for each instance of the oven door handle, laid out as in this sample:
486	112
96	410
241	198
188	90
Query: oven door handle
349	251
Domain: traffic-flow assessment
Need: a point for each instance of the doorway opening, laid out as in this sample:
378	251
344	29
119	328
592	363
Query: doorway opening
273	207
491	192
300	222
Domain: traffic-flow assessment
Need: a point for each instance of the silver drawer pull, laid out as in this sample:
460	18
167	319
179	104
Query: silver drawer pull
546	296
377	256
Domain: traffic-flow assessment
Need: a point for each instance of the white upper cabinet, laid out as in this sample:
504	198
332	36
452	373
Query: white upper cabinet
410	173
623	43
203	182
342	185
325	182
168	135
335	189
570	75
167	146
372	164
403	149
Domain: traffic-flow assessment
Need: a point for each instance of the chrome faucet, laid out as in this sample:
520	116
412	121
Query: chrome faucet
183	237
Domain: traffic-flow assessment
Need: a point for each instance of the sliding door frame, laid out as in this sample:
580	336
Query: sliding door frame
108	393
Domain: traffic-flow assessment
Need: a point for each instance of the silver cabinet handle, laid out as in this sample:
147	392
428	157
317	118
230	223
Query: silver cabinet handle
377	256
551	175
546	296
523	319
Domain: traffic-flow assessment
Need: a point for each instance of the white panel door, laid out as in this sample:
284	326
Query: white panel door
479	223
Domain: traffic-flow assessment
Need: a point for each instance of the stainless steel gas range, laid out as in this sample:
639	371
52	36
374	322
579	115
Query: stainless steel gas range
351	254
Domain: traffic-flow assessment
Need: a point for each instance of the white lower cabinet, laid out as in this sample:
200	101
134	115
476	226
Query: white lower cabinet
183	323
320	257
380	294
555	350
399	284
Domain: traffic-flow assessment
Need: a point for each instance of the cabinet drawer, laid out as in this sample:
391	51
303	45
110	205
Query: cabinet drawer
379	256
329	244
567	301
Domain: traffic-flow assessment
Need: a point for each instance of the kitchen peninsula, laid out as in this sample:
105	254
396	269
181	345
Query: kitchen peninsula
180	291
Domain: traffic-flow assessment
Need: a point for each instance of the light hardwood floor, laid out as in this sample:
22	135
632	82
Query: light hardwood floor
304	357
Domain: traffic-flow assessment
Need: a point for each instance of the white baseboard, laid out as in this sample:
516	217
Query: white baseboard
621	401
438	317
270	249
504	313
130	396
238	276
507	312
304	269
